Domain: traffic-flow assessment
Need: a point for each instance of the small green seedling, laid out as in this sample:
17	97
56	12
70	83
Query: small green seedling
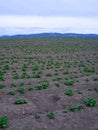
11	93
96	89
57	84
69	92
20	101
51	115
3	122
65	111
75	108
2	86
70	82
90	102
37	116
21	90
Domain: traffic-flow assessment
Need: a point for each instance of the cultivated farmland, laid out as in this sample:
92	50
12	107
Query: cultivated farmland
49	84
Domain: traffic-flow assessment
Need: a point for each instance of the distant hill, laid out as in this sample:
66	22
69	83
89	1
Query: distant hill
57	35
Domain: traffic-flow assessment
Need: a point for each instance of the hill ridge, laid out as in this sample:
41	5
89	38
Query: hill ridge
57	35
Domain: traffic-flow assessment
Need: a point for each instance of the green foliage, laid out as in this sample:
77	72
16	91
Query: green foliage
21	90
96	89
4	122
86	79
89	70
90	102
56	73
48	75
2	86
37	116
6	67
16	76
24	67
57	84
11	93
81	65
95	79
65	111
69	92
25	75
75	108
13	85
20	101
1	72
70	82
42	85
65	72
37	75
57	64
58	78
30	88
35	68
21	83
51	115
2	78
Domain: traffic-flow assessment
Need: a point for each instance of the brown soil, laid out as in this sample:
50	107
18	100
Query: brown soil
51	99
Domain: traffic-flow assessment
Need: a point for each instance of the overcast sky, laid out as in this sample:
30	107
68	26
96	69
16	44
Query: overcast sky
36	16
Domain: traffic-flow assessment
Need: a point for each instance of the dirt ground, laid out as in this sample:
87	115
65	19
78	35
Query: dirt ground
53	57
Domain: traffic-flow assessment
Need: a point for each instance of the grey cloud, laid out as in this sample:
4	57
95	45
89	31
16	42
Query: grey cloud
87	8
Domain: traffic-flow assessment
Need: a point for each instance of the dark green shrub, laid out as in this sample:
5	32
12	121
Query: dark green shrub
6	67
65	72
75	108
2	86
25	75
69	92
3	122
30	88
37	116
11	93
13	85
24	67
35	68
21	90
95	79
51	115
42	85
86	79
20	101
1	72
58	78
21	83
56	73
37	75
90	102
70	82
2	78
89	70
96	89
57	84
48	75
16	76
65	111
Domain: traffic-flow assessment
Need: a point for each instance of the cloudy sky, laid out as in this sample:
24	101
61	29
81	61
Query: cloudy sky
37	16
